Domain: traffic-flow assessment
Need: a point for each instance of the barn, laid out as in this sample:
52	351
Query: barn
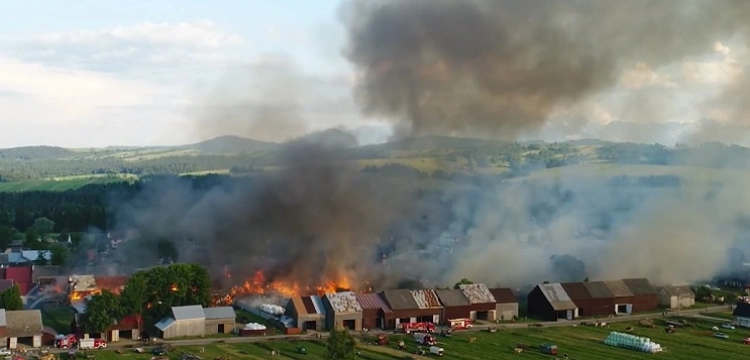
185	321
404	308
592	298
482	302
551	302
427	301
308	312
219	320
646	297
342	311
455	304
23	327
676	296
624	299
506	307
374	310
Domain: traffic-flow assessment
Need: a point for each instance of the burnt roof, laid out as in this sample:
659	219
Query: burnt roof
452	298
598	290
618	288
308	304
576	291
504	296
400	299
640	286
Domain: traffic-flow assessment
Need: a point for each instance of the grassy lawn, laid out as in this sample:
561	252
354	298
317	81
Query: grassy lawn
58	319
582	342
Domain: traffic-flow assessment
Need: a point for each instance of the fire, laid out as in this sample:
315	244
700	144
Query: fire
259	285
173	288
80	295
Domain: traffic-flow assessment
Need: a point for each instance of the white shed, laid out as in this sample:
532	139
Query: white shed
676	296
185	321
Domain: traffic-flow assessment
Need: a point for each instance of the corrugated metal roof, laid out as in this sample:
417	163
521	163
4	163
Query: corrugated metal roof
373	301
576	291
451	298
477	293
678	290
189	312
299	305
223	312
504	296
23	323
343	302
165	323
400	299
640	286
313	305
557	297
426	298
618	288
598	290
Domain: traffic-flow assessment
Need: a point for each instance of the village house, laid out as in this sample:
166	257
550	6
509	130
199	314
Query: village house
308	312
506	307
194	320
22	327
127	328
374	310
676	296
343	311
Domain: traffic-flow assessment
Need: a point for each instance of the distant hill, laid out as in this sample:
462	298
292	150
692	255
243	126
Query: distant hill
338	138
35	153
231	144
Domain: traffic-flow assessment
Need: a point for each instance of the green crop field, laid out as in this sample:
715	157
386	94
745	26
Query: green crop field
582	342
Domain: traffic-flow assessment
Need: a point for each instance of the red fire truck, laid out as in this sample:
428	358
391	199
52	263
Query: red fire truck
418	327
65	341
460	324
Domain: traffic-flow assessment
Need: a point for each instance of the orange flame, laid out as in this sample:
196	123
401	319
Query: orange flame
173	288
259	285
80	295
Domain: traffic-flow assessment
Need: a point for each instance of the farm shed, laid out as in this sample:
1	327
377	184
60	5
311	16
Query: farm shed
23	327
587	304
404	308
219	320
624	298
551	302
646	297
506	307
676	296
185	321
308	312
741	314
482	302
343	311
373	310
455	304
427	300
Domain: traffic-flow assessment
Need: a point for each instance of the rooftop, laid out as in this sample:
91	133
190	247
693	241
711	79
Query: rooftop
504	296
313	304
640	286
452	298
83	282
426	298
189	312
23	323
343	302
400	299
557	297
477	293
598	290
576	291
618	288
373	301
223	312
678	290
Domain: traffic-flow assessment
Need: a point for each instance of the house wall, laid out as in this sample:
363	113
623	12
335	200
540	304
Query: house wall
320	321
673	302
595	307
626	300
456	312
184	328
506	312
334	320
643	303
371	318
539	307
212	326
742	321
13	342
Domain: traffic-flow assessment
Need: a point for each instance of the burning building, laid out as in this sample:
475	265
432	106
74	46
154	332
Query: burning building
81	286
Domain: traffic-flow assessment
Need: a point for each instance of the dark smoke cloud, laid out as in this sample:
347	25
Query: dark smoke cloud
499	68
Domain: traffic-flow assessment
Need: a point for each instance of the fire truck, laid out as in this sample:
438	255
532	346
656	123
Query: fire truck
424	339
66	341
418	327
460	324
92	344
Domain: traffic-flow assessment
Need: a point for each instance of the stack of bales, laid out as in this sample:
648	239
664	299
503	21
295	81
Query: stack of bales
632	342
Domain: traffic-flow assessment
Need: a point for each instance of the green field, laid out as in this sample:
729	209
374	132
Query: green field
54	185
582	342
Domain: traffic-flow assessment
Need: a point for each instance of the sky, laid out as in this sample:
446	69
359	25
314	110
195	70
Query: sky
93	73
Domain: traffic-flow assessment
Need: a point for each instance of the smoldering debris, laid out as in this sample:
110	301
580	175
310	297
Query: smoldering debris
500	68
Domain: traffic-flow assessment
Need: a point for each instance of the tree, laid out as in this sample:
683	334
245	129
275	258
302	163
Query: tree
6	236
42	258
135	294
101	312
340	345
31	239
43	226
59	254
175	285
463	281
10	299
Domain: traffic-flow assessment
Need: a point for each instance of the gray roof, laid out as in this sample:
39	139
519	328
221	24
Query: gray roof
452	298
3	321
400	299
678	290
190	312
224	312
44	272
165	323
557	297
4	258
640	286
477	293
598	289
618	288
23	323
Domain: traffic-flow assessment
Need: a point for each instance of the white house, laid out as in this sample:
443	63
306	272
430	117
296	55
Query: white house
676	296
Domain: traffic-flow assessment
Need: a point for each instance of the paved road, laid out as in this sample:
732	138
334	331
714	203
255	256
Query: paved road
236	340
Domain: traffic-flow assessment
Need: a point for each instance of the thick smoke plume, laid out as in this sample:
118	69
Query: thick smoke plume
498	68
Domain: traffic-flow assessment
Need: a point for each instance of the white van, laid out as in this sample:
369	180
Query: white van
436	350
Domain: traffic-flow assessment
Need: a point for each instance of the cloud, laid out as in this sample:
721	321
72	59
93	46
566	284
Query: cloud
641	76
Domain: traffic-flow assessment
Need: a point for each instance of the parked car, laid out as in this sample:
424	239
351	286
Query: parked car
728	326
721	335
5	352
